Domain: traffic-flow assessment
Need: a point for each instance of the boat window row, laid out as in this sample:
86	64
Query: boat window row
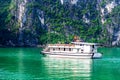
79	44
67	49
61	49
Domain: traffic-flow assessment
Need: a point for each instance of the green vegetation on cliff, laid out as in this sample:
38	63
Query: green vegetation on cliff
66	20
61	22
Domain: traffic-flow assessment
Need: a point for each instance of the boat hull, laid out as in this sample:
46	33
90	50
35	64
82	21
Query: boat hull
69	55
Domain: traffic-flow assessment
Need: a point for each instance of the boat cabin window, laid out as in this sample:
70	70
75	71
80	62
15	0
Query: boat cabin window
77	50
81	45
81	49
53	49
77	44
69	49
64	49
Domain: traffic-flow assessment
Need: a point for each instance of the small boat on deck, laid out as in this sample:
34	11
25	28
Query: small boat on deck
74	50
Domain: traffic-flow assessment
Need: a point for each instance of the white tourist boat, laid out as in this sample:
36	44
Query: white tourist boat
74	50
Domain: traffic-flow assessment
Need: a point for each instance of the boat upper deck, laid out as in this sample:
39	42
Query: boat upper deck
62	45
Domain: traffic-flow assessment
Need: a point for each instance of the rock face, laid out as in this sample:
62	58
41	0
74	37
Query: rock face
29	22
26	16
110	18
21	11
109	11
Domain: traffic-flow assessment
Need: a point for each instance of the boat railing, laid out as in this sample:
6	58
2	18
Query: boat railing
61	45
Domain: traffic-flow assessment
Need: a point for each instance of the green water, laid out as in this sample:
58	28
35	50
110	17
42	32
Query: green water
29	64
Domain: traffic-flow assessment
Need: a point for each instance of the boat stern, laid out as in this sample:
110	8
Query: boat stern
97	55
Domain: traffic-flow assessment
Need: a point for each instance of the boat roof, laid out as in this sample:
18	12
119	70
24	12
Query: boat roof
60	44
85	43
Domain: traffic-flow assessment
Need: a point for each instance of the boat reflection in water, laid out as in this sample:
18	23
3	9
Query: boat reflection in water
62	68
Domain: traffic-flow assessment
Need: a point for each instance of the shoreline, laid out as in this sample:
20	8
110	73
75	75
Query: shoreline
9	46
40	46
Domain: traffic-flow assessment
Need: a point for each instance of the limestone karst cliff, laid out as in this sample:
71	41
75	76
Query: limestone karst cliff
33	22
